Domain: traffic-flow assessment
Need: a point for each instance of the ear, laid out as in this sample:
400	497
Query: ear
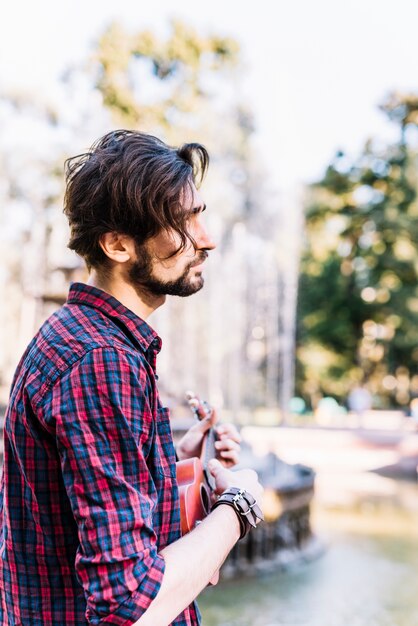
118	248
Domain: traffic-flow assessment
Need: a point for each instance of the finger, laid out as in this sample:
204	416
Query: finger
203	425
214	416
215	467
211	417
229	458
227	464
221	474
228	430
227	444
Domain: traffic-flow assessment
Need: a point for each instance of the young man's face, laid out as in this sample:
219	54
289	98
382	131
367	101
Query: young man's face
181	274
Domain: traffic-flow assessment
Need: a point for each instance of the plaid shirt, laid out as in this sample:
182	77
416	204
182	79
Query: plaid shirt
88	494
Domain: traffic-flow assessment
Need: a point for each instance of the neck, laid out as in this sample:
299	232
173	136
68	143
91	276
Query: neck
141	302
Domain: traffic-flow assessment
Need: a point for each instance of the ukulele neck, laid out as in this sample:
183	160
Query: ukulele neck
209	450
202	410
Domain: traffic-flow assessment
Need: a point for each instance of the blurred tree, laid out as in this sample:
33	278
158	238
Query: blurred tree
158	83
184	86
358	302
38	131
181	87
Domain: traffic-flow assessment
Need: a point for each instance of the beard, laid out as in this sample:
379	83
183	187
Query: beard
141	277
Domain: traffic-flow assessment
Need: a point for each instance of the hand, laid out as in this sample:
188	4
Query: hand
243	479
227	446
190	444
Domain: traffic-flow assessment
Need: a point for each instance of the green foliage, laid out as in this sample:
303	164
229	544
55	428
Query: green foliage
177	68
185	86
358	301
181	86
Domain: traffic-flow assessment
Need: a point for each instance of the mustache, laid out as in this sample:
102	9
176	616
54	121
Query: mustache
203	255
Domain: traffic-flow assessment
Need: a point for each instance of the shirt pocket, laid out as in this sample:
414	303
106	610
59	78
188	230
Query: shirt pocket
166	456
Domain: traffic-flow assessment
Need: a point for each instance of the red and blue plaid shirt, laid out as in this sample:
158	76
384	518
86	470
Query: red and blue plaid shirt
88	495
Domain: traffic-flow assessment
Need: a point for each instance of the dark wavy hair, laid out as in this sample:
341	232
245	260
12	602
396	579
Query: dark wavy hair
131	183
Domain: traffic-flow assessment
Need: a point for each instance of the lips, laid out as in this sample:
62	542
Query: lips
200	260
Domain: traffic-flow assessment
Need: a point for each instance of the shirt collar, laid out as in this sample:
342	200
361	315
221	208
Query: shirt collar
96	298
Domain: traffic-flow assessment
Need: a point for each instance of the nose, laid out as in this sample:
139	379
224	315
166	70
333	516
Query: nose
202	238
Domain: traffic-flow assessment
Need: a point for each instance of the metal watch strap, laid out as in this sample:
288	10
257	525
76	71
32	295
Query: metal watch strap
245	506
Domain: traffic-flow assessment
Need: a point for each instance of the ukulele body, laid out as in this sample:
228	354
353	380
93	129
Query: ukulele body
194	486
194	495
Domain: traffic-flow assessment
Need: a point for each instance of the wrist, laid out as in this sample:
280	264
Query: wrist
229	519
244	506
180	456
183	451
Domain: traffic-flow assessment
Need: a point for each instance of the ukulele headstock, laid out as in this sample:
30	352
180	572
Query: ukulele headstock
200	408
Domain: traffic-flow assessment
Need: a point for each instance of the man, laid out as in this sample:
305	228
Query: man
90	523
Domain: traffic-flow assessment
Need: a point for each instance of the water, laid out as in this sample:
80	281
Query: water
367	577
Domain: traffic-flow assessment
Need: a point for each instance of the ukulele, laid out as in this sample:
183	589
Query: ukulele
196	484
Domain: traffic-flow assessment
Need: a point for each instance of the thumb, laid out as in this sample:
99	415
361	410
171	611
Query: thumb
220	474
215	467
203	425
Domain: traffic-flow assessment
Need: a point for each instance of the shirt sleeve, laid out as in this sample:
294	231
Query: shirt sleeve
103	426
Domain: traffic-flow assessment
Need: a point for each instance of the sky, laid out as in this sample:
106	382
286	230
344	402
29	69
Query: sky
313	72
